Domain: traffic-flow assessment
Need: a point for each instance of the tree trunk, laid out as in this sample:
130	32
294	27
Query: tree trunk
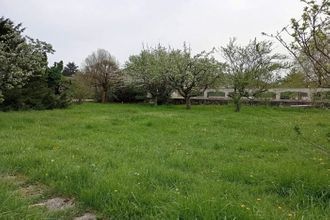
156	101
104	96
188	102
237	102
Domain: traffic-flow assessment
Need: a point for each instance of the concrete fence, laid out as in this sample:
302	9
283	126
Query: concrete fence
278	94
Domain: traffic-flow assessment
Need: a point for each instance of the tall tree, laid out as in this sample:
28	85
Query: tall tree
149	69
250	69
55	76
70	69
190	74
102	69
310	41
21	57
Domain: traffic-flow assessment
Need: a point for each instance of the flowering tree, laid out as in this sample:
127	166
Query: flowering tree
310	41
20	57
149	70
190	74
250	69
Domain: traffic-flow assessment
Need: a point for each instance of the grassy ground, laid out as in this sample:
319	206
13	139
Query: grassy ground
138	161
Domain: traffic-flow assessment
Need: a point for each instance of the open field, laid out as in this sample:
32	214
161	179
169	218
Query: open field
144	162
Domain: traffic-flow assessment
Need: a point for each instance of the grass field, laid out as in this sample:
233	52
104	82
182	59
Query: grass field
145	162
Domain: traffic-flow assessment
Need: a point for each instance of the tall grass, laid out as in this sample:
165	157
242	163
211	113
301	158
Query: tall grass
143	162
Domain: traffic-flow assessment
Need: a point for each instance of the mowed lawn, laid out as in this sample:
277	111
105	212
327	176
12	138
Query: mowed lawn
144	162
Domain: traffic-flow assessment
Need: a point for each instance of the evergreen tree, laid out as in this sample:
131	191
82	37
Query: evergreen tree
70	69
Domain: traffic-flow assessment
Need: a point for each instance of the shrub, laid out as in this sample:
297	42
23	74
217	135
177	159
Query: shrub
128	94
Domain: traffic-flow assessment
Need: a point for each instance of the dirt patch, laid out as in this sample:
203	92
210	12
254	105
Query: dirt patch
86	216
31	190
17	180
56	204
36	191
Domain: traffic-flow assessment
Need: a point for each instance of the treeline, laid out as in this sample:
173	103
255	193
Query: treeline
160	71
26	81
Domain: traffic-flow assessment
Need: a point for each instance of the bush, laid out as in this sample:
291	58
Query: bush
37	94
128	94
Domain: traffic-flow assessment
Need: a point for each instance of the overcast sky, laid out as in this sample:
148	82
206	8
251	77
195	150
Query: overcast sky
76	28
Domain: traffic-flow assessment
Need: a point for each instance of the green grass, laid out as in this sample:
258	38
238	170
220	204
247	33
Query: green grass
14	207
144	162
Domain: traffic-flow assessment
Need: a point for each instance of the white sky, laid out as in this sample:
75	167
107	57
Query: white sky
76	28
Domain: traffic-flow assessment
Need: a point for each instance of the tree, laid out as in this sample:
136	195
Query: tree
295	79
20	57
149	69
47	91
55	76
250	69
310	41
70	69
191	75
81	87
102	69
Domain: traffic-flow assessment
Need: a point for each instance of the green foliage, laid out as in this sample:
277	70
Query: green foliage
81	87
20	57
150	69
48	91
55	76
129	94
141	162
294	80
309	41
70	69
190	75
25	80
250	69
